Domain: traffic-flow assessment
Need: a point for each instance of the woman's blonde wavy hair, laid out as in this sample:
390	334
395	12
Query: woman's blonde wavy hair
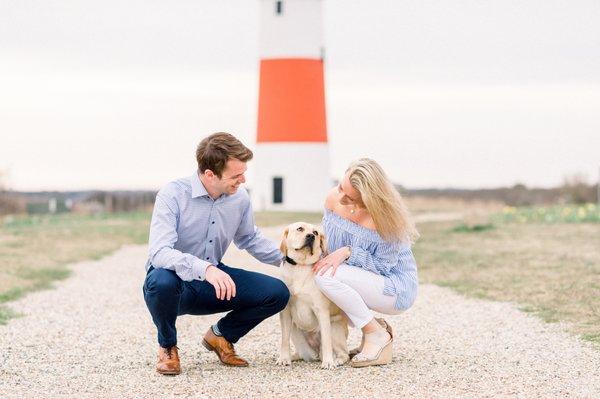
383	202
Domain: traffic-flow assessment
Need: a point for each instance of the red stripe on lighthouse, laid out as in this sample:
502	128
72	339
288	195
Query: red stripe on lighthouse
291	103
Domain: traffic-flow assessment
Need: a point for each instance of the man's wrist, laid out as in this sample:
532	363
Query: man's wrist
207	268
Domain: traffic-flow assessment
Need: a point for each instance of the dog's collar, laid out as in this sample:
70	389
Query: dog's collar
290	260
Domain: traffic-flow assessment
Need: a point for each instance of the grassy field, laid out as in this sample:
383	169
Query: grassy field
34	250
548	266
547	260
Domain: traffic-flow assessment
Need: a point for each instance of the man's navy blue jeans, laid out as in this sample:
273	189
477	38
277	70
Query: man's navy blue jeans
258	297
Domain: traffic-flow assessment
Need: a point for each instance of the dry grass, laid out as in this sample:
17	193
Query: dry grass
422	204
34	250
552	270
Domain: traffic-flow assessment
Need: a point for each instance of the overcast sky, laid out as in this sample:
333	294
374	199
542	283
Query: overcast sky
116	94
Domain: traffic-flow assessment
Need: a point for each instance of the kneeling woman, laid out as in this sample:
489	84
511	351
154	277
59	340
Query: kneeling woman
370	265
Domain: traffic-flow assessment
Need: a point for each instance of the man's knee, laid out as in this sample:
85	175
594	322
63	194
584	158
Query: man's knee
277	293
161	281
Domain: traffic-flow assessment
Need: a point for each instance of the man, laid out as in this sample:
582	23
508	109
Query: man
194	221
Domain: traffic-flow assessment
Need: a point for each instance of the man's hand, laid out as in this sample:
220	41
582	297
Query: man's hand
224	285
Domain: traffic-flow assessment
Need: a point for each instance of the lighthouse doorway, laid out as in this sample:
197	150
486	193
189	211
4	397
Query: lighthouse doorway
278	190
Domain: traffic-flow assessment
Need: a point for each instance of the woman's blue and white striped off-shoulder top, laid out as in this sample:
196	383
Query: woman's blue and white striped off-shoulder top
394	261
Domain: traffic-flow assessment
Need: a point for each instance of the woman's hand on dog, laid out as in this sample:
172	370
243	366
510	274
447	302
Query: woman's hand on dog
331	261
224	285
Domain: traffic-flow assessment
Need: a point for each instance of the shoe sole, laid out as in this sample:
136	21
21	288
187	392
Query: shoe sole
168	372
212	349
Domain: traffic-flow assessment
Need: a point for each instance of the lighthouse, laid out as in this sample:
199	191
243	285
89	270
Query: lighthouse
292	170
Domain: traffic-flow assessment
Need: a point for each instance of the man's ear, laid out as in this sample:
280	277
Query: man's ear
323	244
283	246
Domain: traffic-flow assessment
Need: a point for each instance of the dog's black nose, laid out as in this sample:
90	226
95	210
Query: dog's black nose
310	237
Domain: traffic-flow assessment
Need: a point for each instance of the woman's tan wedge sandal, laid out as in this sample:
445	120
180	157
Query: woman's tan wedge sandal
384	356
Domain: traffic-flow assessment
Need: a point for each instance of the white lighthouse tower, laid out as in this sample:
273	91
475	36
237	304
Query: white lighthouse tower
291	162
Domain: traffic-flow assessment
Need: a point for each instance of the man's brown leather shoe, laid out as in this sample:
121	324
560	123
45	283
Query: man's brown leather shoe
168	361
223	349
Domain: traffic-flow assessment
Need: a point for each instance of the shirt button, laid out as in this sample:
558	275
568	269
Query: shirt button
207	258
210	241
213	222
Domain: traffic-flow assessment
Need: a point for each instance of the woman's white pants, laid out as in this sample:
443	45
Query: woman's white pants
357	292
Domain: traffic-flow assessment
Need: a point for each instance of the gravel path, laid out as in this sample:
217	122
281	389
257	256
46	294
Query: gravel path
93	337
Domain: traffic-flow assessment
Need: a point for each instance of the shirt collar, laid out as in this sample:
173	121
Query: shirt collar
198	189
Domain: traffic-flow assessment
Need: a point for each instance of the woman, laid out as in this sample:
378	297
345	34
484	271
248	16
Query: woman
370	265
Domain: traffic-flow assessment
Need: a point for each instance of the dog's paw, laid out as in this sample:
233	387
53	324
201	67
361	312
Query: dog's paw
284	361
296	357
328	364
339	360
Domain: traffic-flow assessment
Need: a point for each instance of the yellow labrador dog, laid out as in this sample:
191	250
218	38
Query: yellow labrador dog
316	326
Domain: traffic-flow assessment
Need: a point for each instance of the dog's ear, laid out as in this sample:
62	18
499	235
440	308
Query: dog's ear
283	246
323	243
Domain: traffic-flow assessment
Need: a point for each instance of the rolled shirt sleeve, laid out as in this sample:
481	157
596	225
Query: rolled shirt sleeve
163	236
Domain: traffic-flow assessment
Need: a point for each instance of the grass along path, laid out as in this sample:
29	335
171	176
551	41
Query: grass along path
551	270
35	250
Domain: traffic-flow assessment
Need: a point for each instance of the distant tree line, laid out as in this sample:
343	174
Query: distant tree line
14	202
121	201
9	204
574	190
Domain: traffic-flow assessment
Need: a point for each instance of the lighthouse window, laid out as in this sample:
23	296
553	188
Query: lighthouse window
278	190
279	7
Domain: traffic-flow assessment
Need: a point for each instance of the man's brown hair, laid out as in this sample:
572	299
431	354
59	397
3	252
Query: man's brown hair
214	151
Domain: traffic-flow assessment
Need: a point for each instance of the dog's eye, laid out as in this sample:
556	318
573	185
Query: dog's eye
316	233
300	229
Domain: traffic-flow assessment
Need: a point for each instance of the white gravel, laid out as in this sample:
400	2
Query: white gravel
93	337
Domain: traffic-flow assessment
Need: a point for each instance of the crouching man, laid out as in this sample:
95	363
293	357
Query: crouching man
194	221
